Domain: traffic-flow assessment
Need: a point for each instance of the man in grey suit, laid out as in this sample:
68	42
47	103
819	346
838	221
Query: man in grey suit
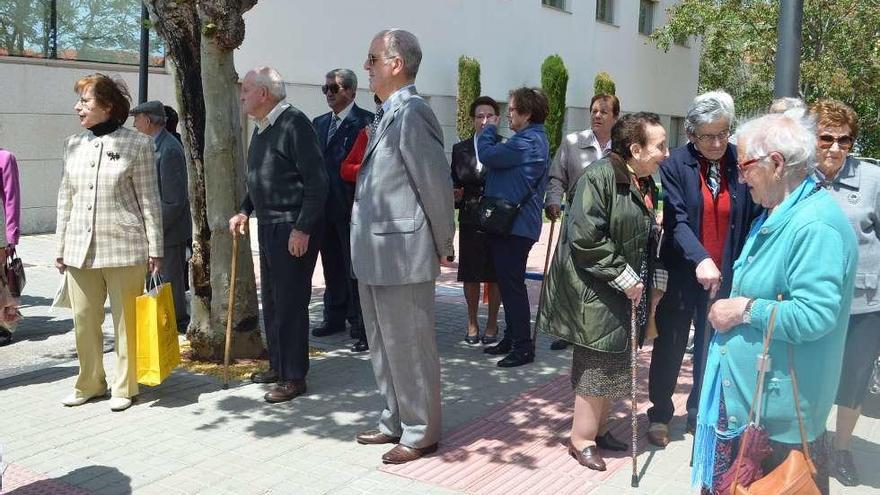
149	118
401	227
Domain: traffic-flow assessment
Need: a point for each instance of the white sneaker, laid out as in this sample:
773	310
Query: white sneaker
119	403
75	399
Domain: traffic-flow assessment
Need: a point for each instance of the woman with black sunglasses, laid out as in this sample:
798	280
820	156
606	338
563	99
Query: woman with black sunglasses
856	187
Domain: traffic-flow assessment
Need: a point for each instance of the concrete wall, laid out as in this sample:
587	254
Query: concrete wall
303	40
36	115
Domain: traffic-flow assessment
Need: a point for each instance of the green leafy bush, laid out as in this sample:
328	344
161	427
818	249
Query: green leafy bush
554	82
468	91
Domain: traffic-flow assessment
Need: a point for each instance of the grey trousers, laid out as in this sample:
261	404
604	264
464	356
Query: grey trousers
173	271
399	322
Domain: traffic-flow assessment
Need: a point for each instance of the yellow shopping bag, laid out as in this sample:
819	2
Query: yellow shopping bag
158	351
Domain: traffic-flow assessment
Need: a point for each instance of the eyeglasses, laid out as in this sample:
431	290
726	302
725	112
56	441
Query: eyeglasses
742	166
330	88
826	141
721	136
372	59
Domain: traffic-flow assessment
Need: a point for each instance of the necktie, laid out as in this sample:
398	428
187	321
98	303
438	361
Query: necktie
713	179
376	120
334	125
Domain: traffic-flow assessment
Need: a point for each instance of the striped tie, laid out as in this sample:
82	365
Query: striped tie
376	120
334	126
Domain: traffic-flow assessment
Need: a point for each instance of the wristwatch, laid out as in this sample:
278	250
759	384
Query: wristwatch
747	313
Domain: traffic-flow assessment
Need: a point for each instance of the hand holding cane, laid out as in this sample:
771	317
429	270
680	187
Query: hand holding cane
543	281
230	310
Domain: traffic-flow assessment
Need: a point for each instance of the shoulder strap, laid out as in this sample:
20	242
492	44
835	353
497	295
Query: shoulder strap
797	404
531	192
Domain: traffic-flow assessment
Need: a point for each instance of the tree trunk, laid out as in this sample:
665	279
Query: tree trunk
178	23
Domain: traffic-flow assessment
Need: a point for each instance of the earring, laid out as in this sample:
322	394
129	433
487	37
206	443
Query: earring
777	177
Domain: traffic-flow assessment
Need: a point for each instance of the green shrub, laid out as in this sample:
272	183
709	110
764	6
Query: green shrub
603	84
468	91
554	82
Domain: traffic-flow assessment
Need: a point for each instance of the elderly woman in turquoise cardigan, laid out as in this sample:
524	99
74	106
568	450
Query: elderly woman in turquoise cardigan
804	250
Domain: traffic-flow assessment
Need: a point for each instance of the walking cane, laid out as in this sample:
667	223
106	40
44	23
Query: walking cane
634	482
229	311
543	281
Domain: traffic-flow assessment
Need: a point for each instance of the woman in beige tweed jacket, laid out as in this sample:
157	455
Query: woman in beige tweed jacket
109	232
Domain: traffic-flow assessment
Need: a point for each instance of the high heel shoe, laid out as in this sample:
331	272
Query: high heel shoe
472	339
588	457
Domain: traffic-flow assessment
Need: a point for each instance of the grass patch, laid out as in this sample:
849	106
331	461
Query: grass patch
239	369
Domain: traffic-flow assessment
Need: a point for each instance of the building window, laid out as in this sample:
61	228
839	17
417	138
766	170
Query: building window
646	16
605	11
75	30
556	4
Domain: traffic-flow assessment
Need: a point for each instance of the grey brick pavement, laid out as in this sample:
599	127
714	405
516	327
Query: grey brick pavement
188	436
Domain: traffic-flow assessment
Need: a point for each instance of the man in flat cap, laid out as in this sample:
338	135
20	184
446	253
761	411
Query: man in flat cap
149	118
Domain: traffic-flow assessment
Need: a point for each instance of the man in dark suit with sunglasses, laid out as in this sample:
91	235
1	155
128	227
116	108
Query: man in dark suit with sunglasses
337	131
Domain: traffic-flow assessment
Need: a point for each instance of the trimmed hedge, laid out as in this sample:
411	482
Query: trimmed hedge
468	91
554	82
603	84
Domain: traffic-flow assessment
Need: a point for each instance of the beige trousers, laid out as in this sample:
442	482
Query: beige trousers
88	289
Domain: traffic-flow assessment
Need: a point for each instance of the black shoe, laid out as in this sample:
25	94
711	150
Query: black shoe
360	346
489	339
5	337
268	376
500	348
325	330
472	339
607	442
843	468
558	345
516	358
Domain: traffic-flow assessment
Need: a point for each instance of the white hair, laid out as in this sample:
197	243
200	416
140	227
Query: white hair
793	134
707	108
403	44
270	78
780	105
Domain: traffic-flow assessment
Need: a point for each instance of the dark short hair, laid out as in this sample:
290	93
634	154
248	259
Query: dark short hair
631	129
171	119
610	99
109	93
531	101
484	100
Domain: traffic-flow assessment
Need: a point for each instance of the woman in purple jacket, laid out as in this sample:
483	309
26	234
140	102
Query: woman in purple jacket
9	190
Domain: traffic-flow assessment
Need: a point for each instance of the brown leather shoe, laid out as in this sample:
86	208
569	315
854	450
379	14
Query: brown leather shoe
588	457
375	437
658	434
268	376
285	391
402	453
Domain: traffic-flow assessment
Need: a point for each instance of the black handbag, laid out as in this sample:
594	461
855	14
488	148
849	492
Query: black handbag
14	271
496	215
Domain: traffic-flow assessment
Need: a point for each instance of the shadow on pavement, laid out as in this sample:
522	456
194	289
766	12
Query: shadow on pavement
43	375
106	479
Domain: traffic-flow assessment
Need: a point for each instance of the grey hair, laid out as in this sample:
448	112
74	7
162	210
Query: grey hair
780	105
792	133
270	78
157	119
707	108
403	44
349	78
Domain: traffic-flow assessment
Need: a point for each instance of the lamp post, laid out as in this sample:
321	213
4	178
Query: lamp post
788	49
144	55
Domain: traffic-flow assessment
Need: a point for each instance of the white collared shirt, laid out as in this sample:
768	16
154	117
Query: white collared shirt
272	116
345	111
477	154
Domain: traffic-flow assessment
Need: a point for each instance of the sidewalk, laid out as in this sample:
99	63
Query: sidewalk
504	430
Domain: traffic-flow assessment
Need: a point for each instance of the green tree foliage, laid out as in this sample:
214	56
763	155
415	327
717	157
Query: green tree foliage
554	82
468	91
840	57
604	84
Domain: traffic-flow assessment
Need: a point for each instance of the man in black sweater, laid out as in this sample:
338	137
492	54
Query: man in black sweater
287	188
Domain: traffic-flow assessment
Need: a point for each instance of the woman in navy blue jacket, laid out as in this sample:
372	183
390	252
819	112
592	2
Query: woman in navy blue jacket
517	171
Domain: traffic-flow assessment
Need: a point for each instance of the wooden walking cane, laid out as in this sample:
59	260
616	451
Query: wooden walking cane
230	310
543	281
634	335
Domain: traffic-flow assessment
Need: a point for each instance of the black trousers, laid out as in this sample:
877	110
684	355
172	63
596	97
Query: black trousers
286	286
341	301
673	326
510	254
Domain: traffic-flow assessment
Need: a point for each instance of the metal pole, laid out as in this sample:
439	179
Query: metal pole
145	54
788	48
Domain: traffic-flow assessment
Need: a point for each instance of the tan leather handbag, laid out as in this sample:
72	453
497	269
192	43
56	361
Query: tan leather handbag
795	476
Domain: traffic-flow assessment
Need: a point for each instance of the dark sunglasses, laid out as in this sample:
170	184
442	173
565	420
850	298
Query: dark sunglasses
827	140
330	88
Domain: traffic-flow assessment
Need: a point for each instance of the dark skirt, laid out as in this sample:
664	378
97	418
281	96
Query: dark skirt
600	374
862	348
474	258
